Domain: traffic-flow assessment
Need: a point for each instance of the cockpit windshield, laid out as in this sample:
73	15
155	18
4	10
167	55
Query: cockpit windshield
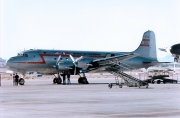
22	54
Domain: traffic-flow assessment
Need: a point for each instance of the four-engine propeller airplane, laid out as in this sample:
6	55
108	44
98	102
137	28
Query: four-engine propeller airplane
77	62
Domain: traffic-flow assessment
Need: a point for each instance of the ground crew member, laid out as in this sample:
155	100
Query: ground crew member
16	79
68	78
64	77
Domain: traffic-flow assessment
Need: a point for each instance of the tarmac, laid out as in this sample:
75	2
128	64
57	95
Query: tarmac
40	98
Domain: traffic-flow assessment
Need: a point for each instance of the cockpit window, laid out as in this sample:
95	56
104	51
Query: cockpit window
25	55
21	54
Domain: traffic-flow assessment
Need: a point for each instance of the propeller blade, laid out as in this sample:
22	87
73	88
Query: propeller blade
78	59
75	62
72	58
58	60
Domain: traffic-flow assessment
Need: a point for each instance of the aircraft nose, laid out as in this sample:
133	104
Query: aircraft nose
8	62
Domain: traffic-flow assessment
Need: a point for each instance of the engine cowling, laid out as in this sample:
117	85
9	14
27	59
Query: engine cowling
83	64
64	66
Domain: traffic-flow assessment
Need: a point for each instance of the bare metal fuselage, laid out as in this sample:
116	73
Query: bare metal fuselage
44	61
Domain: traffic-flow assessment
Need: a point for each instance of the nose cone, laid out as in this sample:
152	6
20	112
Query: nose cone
175	49
8	62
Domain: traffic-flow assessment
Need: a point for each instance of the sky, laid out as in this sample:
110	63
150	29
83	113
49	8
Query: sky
97	25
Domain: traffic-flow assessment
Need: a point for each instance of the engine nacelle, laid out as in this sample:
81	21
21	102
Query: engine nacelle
83	64
64	66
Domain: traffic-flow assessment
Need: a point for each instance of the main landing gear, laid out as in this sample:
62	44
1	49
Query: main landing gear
82	80
57	80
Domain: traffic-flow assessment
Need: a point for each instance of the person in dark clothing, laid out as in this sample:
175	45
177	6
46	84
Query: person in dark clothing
64	77
16	79
68	78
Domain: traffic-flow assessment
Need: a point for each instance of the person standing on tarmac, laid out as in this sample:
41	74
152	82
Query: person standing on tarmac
68	77
16	79
64	77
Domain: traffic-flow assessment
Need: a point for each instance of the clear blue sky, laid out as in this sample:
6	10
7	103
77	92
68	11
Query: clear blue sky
98	25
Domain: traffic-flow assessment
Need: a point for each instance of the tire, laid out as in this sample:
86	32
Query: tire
159	81
59	81
110	85
21	81
54	80
84	80
80	80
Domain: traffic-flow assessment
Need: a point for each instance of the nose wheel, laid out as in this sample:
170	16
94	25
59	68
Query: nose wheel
21	81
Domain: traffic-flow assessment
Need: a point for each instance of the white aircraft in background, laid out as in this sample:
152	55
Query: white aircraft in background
77	62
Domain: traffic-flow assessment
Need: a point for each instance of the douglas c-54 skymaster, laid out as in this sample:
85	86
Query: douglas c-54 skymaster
77	62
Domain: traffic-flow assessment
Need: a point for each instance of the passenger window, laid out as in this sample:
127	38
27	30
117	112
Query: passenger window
67	53
26	55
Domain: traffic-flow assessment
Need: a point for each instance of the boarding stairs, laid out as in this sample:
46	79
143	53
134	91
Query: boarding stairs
129	80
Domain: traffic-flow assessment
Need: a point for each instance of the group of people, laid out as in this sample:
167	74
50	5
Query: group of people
15	79
64	74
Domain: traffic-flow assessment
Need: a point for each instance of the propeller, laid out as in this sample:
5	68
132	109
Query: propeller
58	60
75	62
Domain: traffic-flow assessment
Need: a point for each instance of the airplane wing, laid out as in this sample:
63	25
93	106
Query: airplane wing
115	59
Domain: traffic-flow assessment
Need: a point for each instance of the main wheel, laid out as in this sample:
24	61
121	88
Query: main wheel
21	81
84	80
54	80
80	80
59	81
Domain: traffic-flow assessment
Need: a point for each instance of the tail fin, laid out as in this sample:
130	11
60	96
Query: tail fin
147	48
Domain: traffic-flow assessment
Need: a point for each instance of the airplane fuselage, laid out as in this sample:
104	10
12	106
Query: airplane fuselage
44	61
